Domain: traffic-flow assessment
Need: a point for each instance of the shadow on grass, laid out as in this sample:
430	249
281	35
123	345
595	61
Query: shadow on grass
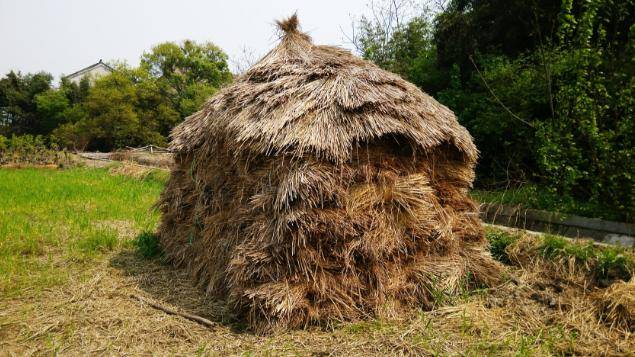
173	287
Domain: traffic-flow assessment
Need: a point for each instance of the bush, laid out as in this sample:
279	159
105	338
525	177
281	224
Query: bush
147	244
506	141
29	149
4	143
603	262
544	198
498	243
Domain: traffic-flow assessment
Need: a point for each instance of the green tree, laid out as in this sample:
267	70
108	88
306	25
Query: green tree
50	109
587	150
153	105
76	93
187	73
129	107
124	108
18	114
545	88
498	27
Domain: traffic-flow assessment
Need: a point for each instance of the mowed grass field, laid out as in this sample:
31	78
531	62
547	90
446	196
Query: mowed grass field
70	263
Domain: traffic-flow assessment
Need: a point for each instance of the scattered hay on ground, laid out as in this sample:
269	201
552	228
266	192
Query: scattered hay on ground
136	171
161	160
548	307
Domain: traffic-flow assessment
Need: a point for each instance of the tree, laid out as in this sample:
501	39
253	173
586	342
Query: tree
124	108
399	36
545	88
129	107
17	101
187	73
51	107
498	27
119	112
153	104
140	106
76	93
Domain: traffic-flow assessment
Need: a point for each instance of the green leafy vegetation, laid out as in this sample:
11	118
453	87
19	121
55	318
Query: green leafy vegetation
498	243
157	175
537	197
606	261
545	88
129	107
603	261
29	149
101	241
55	221
147	244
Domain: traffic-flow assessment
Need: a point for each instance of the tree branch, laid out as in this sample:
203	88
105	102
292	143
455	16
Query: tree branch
169	311
496	97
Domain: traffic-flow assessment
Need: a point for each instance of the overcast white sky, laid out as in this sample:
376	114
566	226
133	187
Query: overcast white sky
62	36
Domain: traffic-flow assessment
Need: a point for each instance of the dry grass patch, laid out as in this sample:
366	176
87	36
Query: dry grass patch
548	307
139	172
162	160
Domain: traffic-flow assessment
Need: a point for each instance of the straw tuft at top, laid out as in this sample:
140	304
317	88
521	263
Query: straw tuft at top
289	25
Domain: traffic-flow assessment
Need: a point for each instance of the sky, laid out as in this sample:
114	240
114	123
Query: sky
63	36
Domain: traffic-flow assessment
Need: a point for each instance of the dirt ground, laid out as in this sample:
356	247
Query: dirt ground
546	308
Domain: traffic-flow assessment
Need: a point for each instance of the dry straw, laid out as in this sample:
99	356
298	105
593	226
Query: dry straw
319	187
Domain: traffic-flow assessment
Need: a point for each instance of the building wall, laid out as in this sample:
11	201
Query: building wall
92	74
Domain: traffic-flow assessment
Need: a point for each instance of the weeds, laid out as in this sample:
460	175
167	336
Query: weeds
612	262
555	247
139	172
101	241
147	244
604	262
365	327
31	150
498	243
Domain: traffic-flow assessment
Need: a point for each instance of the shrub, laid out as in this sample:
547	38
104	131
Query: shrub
147	244
4	142
29	149
498	243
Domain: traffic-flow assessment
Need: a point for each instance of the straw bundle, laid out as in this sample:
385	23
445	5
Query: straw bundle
319	187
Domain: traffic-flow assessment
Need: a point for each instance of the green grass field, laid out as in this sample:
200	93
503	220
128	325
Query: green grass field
55	221
75	246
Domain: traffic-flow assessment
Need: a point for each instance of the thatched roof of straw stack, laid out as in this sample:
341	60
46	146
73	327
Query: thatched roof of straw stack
304	98
319	187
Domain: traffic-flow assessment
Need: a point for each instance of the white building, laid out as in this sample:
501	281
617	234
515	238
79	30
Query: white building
93	72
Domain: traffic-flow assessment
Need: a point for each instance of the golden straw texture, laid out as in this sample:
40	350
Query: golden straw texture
319	187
